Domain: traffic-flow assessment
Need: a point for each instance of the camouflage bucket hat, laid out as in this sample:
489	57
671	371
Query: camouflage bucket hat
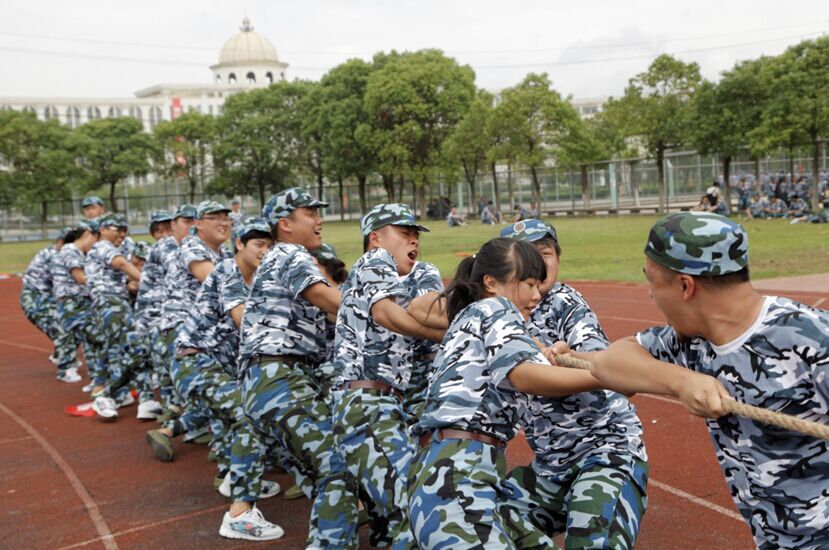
209	207
252	224
698	243
112	220
325	252
91	200
90	225
285	202
529	230
141	250
185	211
63	233
159	216
389	214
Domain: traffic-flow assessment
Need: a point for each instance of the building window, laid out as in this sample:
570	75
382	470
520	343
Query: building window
282	75
135	112
269	77
50	112
73	117
218	79
231	78
155	117
251	78
114	112
29	109
93	113
210	109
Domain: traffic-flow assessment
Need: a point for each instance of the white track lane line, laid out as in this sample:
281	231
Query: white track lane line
24	346
696	500
105	535
817	304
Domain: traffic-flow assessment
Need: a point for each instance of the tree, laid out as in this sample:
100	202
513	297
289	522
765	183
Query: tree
114	149
611	128
187	144
723	114
39	160
311	131
469	144
257	140
414	101
797	112
537	124
656	102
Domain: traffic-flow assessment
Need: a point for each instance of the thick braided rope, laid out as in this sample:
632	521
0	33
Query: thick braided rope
759	414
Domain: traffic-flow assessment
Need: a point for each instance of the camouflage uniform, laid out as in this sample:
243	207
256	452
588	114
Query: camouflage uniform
424	278
799	207
325	373
75	312
455	485
778	478
37	302
758	207
282	342
370	425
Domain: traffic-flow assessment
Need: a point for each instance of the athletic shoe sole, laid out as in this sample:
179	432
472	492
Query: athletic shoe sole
229	534
161	452
103	418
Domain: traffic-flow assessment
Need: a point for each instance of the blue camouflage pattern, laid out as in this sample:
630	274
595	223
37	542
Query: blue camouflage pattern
101	277
38	275
64	285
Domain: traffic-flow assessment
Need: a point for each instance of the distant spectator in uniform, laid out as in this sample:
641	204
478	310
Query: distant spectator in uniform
798	210
704	204
758	207
482	203
535	210
453	218
777	209
491	215
521	213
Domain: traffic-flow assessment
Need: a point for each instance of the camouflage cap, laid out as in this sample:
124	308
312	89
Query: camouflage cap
389	214
89	225
325	252
159	216
285	202
185	211
141	250
252	224
63	233
112	220
209	207
698	243
91	200
529	230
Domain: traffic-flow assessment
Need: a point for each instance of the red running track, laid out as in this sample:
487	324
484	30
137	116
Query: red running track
78	483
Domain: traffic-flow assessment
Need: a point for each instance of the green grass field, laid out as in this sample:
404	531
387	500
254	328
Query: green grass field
600	248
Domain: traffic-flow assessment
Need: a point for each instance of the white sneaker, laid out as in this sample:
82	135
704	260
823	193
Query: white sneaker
127	401
54	359
250	525
105	407
88	388
70	375
149	410
269	488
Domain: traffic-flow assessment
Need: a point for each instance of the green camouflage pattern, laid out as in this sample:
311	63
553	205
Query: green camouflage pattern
455	495
112	220
370	431
285	202
90	200
602	507
159	216
325	253
698	243
142	250
209	207
389	214
76	315
185	211
529	230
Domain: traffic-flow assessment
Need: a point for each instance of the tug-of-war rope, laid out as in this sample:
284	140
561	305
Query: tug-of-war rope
732	406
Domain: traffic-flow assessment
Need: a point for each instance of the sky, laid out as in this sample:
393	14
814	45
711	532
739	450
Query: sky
93	48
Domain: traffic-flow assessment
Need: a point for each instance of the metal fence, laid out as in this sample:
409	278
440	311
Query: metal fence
614	184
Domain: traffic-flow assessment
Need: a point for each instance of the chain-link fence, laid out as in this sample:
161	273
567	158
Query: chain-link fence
610	186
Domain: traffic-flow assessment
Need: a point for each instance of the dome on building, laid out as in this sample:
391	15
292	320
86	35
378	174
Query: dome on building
247	47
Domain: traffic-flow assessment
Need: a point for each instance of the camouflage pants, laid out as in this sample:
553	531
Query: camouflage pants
189	384
370	432
455	493
325	375
600	506
137	362
162	354
414	397
286	410
77	318
115	320
40	309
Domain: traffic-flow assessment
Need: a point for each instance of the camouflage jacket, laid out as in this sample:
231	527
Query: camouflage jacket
364	349
423	278
101	278
469	389
779	479
38	275
569	430
278	320
68	258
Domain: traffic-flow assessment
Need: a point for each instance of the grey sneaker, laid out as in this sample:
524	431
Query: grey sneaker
161	444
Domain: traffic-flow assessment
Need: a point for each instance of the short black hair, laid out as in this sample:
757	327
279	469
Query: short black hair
365	243
722	281
255	234
548	241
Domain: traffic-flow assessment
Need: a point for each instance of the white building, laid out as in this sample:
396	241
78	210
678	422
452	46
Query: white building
248	60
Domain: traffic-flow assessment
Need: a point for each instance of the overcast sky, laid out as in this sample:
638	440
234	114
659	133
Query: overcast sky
94	48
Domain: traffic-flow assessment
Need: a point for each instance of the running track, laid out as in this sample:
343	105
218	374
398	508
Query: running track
78	483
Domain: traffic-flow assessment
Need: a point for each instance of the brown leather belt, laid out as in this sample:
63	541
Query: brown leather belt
283	359
184	352
372	385
424	357
450	433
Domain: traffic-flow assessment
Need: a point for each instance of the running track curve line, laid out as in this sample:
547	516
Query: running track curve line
89	503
